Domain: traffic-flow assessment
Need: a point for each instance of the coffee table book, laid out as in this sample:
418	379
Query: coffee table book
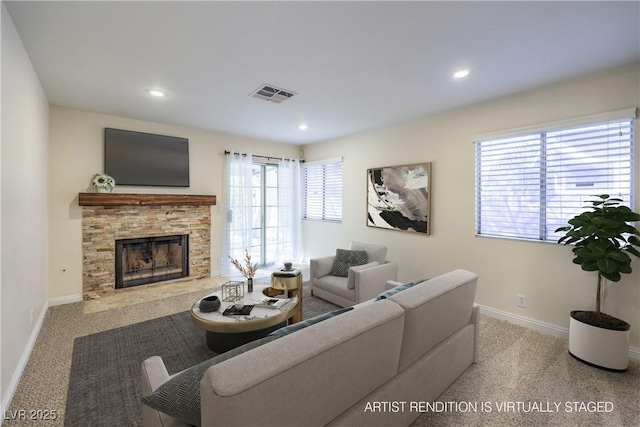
271	302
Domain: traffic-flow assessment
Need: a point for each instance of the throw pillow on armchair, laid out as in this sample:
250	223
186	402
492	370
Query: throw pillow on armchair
346	259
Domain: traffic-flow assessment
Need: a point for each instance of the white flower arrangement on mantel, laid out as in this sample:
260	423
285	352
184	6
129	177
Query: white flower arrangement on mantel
103	182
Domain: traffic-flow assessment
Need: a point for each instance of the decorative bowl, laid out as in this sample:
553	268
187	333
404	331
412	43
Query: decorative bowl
209	304
271	292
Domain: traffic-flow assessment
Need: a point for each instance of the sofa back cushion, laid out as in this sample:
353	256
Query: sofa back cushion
317	372
295	327
433	311
392	291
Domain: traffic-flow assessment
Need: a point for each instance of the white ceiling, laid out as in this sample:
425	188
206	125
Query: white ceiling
354	66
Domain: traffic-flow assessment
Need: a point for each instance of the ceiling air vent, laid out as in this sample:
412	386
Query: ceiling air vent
272	93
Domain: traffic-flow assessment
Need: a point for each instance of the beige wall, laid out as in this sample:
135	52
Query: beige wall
25	118
541	271
76	153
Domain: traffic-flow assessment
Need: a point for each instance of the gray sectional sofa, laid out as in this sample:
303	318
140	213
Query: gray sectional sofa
409	347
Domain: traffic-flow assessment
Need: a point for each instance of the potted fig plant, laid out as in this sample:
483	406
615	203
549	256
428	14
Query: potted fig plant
602	241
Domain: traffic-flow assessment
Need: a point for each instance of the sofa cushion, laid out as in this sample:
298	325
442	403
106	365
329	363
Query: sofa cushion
308	322
180	396
351	276
346	259
374	252
386	294
433	311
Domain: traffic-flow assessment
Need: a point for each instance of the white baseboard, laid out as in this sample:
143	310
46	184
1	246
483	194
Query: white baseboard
547	328
22	363
65	300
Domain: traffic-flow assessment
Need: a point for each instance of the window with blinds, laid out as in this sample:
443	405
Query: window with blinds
530	184
322	190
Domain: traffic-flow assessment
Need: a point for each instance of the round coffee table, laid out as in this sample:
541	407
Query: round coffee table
227	332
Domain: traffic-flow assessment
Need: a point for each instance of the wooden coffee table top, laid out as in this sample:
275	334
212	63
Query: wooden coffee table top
259	318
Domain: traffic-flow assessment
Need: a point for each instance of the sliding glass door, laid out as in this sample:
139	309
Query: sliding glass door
262	211
264	232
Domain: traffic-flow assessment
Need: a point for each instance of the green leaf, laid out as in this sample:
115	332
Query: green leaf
631	217
605	265
582	250
589	265
580	221
606	222
592	229
625	269
623	209
614	277
633	251
619	256
634	240
562	239
598	248
572	240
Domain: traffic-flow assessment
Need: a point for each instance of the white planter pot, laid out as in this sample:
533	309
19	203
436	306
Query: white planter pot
597	346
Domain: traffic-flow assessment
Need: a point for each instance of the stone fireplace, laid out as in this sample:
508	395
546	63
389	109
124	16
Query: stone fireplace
179	225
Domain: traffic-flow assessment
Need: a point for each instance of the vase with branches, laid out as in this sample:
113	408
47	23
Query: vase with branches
248	270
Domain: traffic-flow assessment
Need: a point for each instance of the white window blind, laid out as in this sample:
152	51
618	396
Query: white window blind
322	190
527	185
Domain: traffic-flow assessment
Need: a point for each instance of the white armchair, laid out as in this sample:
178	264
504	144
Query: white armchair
363	282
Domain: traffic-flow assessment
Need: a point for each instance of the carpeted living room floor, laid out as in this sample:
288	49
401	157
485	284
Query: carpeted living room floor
517	366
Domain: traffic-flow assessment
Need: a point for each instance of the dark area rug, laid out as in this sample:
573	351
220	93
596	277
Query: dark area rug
104	386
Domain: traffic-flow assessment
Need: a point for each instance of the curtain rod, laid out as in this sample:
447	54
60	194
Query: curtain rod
226	153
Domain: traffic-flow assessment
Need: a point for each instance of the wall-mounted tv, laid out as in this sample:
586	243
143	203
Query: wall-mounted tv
137	158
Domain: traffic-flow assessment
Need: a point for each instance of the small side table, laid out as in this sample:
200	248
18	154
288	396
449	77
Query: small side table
291	283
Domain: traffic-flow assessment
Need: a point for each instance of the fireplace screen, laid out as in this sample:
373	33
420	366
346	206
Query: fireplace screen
151	259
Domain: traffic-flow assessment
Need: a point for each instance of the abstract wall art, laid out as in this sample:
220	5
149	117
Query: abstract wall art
399	198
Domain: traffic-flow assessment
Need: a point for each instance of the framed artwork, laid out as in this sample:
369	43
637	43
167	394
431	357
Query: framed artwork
399	198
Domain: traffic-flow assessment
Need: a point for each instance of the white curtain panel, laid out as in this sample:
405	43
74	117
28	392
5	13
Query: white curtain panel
237	211
289	212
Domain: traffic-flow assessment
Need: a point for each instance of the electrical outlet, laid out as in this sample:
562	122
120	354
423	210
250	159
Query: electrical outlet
522	301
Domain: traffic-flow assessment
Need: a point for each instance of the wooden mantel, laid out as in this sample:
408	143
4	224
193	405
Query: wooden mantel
124	199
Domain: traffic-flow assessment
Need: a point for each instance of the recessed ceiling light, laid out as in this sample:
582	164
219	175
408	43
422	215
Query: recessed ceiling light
461	73
303	126
157	93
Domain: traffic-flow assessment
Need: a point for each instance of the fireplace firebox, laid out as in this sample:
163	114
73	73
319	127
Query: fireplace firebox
151	259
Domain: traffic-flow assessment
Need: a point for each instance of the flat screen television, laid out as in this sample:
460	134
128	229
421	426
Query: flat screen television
137	158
